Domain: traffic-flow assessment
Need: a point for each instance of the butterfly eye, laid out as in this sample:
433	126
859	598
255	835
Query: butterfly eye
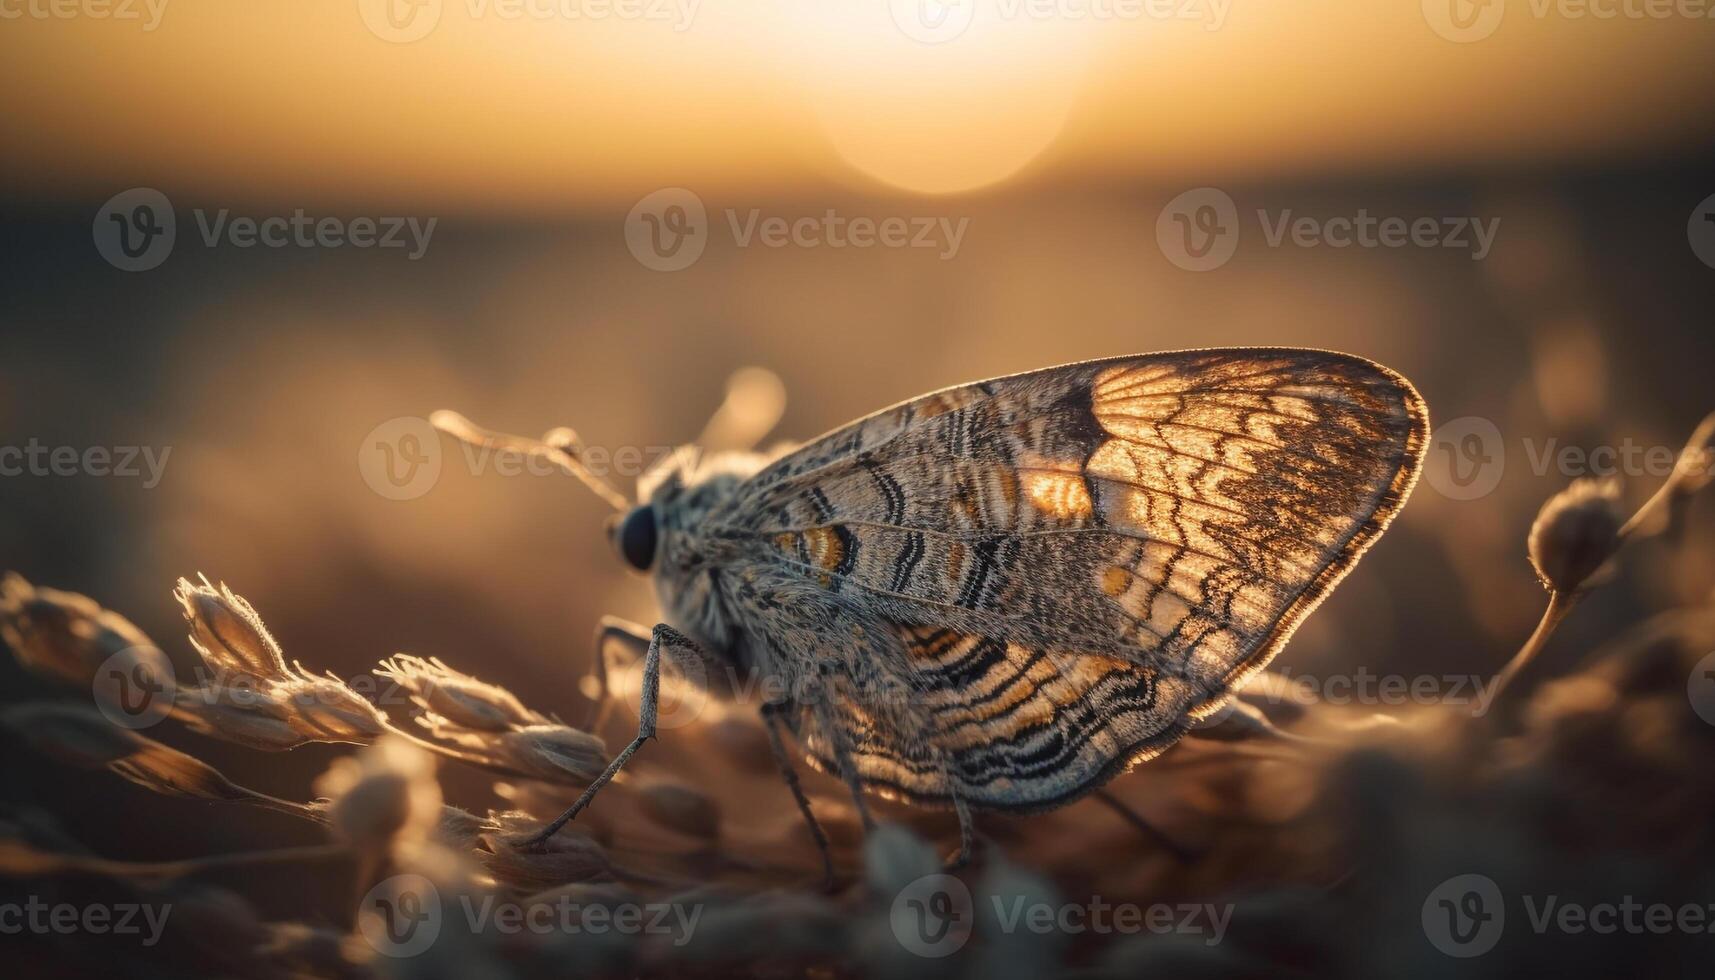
635	538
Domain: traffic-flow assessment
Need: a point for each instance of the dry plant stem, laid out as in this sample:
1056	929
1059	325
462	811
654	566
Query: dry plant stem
1681	481
1559	605
367	869
1650	519
266	802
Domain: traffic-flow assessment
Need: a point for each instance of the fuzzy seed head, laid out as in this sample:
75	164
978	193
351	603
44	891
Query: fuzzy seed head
1575	534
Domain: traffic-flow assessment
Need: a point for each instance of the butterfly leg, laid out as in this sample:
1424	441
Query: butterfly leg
967	834
611	631
771	720
663	634
1143	826
836	737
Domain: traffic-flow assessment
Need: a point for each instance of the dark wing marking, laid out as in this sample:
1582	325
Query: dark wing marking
1007	726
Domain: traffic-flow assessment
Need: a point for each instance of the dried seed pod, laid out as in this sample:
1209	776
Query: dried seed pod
250	694
1575	534
458	698
62	635
227	632
554	752
384	795
566	857
82	737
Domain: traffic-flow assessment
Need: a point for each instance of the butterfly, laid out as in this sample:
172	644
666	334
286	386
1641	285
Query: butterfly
1000	595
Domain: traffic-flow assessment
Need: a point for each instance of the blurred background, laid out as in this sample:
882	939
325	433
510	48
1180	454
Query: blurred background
583	194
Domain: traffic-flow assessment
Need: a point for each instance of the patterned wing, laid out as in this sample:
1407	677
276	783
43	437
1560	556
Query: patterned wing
1080	560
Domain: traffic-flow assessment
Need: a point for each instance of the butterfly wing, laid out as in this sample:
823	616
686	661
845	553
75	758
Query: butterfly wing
1079	561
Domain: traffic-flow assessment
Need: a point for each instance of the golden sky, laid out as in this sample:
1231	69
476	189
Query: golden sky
525	106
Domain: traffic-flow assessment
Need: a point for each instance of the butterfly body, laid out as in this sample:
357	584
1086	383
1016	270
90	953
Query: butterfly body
1001	594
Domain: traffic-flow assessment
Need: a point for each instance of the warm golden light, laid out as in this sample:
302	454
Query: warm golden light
502	105
937	97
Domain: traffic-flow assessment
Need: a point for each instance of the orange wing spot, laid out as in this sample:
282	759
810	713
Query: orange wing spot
787	541
965	501
1059	494
1115	580
955	562
825	549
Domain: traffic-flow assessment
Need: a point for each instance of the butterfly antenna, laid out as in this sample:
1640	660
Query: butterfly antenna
560	446
755	400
